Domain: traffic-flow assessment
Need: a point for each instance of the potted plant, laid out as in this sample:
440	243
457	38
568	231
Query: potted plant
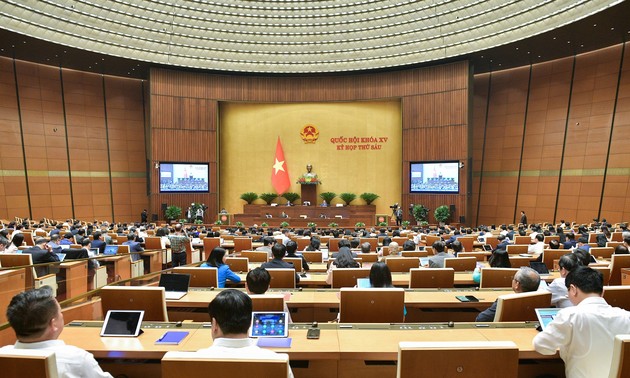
369	197
284	224
347	197
420	213
332	225
173	212
382	224
405	224
311	225
218	223
268	197
291	196
264	224
423	223
359	225
441	214
183	220
239	224
198	221
249	197
328	196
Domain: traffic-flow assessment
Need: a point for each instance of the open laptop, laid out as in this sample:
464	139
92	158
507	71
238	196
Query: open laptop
269	324
175	285
111	250
546	315
122	323
363	283
540	267
61	256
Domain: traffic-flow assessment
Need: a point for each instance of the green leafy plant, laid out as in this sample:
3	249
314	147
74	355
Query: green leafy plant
284	224
268	197
218	223
249	197
291	196
328	196
183	220
359	224
264	224
239	224
332	225
420	213
311	224
347	197
198	221
442	213
369	197
382	224
424	223
173	212
405	224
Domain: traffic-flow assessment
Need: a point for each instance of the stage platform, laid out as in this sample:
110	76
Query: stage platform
300	216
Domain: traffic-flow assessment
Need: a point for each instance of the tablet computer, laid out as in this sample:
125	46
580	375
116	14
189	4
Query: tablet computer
269	324
111	250
122	323
546	315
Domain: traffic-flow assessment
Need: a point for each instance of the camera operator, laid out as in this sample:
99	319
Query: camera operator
397	213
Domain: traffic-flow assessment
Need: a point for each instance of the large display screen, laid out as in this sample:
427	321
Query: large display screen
434	177
184	177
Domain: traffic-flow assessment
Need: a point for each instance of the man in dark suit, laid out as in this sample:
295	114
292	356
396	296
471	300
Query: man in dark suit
279	250
144	216
76	254
134	247
503	243
98	243
523	218
41	253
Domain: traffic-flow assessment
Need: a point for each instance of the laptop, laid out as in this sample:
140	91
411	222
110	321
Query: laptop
269	324
540	267
122	323
175	285
424	261
92	252
546	315
111	250
61	256
363	283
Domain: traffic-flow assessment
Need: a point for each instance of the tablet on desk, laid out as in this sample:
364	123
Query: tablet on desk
546	315
122	323
269	324
111	250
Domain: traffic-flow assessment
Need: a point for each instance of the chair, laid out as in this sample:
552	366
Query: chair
492	241
209	244
152	242
28	238
602	252
148	298
617	296
467	242
461	264
620	368
618	262
347	277
267	302
458	358
333	244
519	261
282	278
402	264
480	256
296	261
497	277
522	239
238	264
256	256
313	256
242	244
549	255
605	271
400	240
431	278
302	243
617	237
200	277
377	305
414	253
137	267
592	237
430	239
196	365
550	238
517	249
18	363
520	306
31	279
368	257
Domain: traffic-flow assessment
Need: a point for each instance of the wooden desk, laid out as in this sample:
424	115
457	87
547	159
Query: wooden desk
625	276
12	282
118	269
152	261
76	273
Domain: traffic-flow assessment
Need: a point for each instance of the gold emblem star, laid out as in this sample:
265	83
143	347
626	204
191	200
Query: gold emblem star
278	166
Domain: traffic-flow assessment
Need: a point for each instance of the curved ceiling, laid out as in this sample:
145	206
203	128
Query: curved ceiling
290	36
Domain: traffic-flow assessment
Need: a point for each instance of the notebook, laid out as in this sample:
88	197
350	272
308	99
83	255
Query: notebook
269	324
540	267
546	315
111	250
122	323
175	285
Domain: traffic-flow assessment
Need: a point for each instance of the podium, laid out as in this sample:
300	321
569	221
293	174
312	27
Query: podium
309	193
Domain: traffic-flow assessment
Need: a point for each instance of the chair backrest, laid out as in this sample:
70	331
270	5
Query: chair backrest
242	244
123	249
267	302
516	249
522	239
592	237
618	262
414	253
196	365
480	256
368	257
497	277
467	243
373	243
520	306
550	238
302	243
402	264
19	363
148	298
605	271
238	264
200	277
313	256
400	240
519	261
256	256
461	264
430	239
377	305
282	278
492	241
490	359
549	255
432	278
209	244
616	237
602	252
28	238
347	277
620	368
296	261
617	296
153	242
20	259
333	244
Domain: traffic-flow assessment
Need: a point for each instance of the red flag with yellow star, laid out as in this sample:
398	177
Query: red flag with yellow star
280	173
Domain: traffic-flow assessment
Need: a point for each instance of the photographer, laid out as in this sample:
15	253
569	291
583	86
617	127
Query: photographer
397	213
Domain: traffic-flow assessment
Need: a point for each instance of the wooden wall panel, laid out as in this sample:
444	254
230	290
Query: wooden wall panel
481	86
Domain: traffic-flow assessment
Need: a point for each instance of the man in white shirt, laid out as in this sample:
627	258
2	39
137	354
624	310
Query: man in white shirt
584	334
36	318
231	314
558	288
539	247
